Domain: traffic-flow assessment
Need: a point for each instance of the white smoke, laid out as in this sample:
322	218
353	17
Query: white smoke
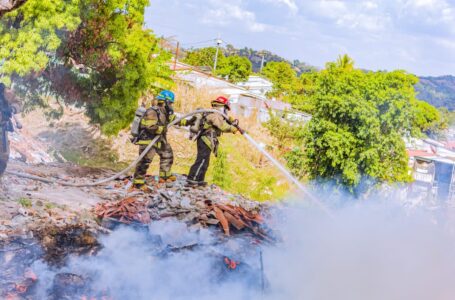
367	250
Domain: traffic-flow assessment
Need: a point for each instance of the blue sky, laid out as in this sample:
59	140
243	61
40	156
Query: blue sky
415	35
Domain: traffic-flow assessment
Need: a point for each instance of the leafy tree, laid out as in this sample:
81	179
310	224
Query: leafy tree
283	77
123	59
428	118
345	62
203	57
357	126
93	53
30	33
236	68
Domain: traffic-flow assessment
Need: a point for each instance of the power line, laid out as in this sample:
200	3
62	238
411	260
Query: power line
200	42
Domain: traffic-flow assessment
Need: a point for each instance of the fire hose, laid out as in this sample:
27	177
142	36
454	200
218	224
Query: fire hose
153	142
124	171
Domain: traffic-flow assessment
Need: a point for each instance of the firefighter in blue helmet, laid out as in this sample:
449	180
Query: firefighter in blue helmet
154	123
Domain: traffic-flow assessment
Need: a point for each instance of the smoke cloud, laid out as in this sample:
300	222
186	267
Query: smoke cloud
370	249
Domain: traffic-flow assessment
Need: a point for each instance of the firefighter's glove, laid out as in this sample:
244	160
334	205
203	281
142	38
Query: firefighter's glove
191	121
235	122
160	130
188	122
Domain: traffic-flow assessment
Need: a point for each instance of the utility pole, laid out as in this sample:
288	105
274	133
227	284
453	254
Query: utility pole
262	61
176	55
218	43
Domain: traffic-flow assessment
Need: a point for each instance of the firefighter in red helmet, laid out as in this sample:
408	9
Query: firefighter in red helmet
211	127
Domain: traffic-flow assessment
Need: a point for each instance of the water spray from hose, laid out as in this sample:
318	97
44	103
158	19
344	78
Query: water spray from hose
286	173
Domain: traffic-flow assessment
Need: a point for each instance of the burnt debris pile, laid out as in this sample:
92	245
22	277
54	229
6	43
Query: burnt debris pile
198	208
158	244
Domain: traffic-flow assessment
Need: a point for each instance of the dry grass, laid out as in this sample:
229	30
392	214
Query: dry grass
250	173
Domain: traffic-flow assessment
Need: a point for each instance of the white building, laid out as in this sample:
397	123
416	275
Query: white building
257	85
245	102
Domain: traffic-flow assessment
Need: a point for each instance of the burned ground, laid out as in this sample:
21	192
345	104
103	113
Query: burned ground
45	228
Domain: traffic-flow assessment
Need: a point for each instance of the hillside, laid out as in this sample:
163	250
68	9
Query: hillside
438	91
255	56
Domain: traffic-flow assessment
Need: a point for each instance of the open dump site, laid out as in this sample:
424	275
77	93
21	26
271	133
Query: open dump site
114	242
111	242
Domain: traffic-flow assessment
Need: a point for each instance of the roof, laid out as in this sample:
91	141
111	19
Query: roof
201	78
256	81
249	100
415	152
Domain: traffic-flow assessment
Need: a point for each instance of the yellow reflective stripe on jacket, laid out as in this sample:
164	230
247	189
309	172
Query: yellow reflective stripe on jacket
172	117
147	142
139	181
159	130
183	122
148	123
207	141
225	127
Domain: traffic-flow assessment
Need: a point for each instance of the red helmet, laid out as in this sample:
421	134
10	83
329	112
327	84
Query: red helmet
223	101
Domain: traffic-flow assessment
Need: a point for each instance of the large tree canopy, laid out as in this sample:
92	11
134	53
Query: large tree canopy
234	68
283	77
89	52
359	121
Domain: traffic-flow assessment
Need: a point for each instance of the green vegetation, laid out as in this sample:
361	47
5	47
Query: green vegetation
203	57
25	202
86	52
283	77
30	33
249	172
50	205
234	68
238	64
221	175
359	120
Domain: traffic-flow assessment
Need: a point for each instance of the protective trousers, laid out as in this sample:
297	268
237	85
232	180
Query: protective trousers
4	149
199	168
164	151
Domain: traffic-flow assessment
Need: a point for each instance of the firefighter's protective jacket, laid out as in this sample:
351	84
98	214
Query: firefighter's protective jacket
214	126
154	123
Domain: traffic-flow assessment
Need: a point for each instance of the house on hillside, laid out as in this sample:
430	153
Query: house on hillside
257	85
433	170
244	102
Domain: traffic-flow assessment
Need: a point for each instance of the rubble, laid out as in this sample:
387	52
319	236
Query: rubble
49	223
126	211
200	207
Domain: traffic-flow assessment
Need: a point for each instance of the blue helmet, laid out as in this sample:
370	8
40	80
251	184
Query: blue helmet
166	96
